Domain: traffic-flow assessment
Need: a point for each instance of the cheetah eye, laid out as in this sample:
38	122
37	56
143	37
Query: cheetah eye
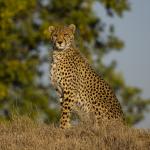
55	35
65	34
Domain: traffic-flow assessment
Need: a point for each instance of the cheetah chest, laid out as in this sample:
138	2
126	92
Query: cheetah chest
54	76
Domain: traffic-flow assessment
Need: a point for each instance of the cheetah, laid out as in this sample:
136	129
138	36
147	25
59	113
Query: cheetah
76	82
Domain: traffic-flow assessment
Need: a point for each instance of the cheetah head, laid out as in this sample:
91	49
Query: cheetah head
62	37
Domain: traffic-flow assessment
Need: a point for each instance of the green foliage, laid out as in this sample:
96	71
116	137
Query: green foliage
23	30
19	91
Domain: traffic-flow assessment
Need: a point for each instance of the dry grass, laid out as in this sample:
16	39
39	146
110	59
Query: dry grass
24	134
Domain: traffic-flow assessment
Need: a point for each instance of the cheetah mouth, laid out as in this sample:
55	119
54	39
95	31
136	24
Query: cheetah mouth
60	46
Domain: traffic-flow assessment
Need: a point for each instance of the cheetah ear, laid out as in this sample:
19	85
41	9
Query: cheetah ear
51	29
72	27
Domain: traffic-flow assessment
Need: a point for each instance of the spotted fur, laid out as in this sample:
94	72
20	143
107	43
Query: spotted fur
76	81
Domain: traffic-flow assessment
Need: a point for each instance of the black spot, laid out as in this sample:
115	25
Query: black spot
66	99
94	102
66	107
64	113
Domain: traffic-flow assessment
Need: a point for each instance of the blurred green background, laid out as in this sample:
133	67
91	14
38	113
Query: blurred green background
24	53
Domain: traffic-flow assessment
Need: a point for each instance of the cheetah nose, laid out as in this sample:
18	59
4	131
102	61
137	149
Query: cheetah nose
59	42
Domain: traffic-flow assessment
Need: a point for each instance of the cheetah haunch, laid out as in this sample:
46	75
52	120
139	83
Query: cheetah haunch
77	83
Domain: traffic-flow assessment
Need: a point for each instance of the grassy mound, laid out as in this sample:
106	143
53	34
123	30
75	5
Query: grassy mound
24	134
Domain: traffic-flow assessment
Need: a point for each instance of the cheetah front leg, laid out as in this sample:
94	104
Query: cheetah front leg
67	105
60	94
